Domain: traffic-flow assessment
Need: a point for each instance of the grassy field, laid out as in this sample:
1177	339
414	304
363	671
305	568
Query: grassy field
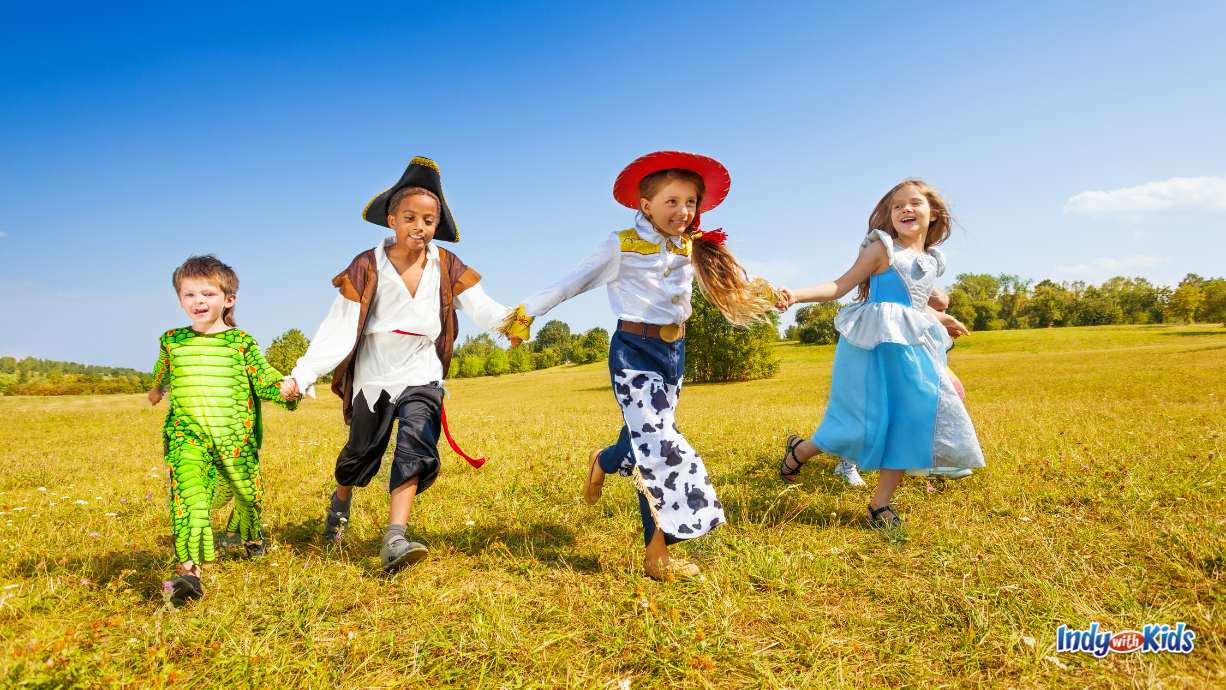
1103	501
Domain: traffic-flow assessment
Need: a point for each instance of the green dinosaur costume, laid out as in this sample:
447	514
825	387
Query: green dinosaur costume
212	432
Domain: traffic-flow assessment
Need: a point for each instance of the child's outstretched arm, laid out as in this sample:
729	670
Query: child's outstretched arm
938	300
872	259
332	343
265	380
597	269
938	304
161	374
484	310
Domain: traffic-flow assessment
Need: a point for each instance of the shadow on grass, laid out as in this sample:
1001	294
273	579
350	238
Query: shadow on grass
140	570
1194	334
548	543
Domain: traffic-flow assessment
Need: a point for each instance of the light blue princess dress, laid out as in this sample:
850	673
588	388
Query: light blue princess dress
893	404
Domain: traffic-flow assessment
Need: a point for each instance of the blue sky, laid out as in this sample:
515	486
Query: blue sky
1072	143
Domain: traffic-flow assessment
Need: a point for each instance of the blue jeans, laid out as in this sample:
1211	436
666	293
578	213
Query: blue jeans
629	351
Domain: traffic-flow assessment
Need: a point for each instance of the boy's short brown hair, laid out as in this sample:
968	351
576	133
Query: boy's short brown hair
210	268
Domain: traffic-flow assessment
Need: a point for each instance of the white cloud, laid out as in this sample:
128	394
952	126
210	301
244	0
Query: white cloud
1177	193
1113	265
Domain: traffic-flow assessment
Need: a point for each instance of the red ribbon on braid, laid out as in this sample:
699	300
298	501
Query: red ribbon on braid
455	447
697	234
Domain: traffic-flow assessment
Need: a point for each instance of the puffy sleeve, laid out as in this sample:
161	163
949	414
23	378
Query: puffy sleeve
332	343
884	238
481	308
940	258
597	269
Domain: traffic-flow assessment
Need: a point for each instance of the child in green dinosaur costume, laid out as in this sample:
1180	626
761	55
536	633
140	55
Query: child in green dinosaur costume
217	377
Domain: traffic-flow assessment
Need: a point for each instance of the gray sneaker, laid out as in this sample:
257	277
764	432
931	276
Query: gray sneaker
849	473
399	552
336	519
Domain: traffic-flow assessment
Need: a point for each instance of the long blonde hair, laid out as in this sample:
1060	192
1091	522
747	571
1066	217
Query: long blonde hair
722	279
938	226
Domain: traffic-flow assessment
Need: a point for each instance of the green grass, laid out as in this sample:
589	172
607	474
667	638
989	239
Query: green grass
1102	501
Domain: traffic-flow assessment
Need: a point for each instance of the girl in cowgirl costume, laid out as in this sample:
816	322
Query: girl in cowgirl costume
649	271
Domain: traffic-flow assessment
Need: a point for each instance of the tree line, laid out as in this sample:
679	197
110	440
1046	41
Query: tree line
986	303
33	376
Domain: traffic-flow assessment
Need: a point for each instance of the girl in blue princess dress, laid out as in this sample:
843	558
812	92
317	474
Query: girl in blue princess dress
894	405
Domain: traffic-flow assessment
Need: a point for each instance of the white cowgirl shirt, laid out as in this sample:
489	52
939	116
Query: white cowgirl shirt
391	361
648	275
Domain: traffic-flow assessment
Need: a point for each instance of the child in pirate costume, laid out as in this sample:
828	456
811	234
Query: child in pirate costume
388	338
649	271
217	377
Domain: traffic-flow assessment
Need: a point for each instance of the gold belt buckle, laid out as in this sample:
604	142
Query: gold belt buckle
670	332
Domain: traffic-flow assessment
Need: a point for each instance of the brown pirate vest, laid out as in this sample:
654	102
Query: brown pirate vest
359	282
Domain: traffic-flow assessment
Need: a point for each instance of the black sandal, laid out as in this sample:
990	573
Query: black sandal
877	517
183	587
255	549
787	472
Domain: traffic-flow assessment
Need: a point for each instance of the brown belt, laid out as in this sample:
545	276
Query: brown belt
670	332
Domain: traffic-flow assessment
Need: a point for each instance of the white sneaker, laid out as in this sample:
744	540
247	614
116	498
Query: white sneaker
951	472
849	473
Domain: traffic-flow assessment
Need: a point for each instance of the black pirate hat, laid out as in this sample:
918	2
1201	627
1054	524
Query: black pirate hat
422	172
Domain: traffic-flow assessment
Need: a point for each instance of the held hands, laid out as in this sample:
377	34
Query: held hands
155	396
289	389
784	299
954	327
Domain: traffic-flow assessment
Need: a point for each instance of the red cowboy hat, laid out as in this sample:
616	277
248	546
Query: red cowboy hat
714	175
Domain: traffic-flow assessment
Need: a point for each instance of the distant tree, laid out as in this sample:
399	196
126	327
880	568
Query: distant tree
1213	301
815	324
545	358
554	334
1049	305
1095	307
974	300
591	346
479	346
471	366
284	350
1186	301
519	360
497	364
715	350
1014	292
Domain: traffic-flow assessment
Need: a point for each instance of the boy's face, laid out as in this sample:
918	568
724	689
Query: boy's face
414	221
673	207
203	302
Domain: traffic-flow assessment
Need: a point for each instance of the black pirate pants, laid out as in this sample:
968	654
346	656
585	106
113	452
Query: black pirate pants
418	409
